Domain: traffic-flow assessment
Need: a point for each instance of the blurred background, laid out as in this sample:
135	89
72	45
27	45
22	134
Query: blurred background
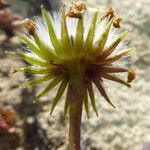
25	125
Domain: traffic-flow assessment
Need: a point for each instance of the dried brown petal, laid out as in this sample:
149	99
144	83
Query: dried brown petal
116	21
80	6
109	13
131	75
30	25
77	10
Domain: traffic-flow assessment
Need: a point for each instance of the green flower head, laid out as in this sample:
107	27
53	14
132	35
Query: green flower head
74	50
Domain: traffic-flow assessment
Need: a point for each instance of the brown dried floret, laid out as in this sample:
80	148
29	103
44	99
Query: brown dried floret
116	21
30	25
131	75
77	9
111	14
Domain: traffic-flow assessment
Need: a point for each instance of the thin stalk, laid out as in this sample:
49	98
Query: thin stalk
75	111
75	116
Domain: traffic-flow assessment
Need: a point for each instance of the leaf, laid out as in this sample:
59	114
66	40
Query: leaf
112	47
46	50
119	56
59	94
108	69
115	78
50	86
66	43
91	94
89	39
55	42
79	39
31	59
100	43
86	104
66	108
102	91
37	81
35	70
30	43
68	96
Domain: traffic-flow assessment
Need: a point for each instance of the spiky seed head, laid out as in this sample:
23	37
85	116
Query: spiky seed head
79	57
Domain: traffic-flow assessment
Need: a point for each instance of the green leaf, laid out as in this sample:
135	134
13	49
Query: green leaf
91	33
37	81
86	104
100	43
79	39
91	94
55	42
50	86
30	43
66	42
35	70
46	50
115	79
31	59
66	108
102	91
68	96
59	94
119	56
112	47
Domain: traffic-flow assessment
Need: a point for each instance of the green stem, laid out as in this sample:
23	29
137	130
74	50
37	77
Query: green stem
75	111
75	114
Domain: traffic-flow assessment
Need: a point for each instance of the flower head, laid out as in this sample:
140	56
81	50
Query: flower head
77	56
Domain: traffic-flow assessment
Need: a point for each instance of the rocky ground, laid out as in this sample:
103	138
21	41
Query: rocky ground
126	128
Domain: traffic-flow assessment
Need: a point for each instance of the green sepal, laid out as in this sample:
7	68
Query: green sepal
55	42
59	94
91	33
50	86
65	39
91	94
35	70
67	101
86	104
119	56
79	39
112	47
115	79
31	59
101	89
66	107
46	50
31	44
100	43
37	81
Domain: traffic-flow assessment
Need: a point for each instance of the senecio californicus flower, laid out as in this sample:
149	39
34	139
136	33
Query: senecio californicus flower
79	57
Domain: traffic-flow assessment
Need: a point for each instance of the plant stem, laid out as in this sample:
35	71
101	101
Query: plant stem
75	114
75	111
